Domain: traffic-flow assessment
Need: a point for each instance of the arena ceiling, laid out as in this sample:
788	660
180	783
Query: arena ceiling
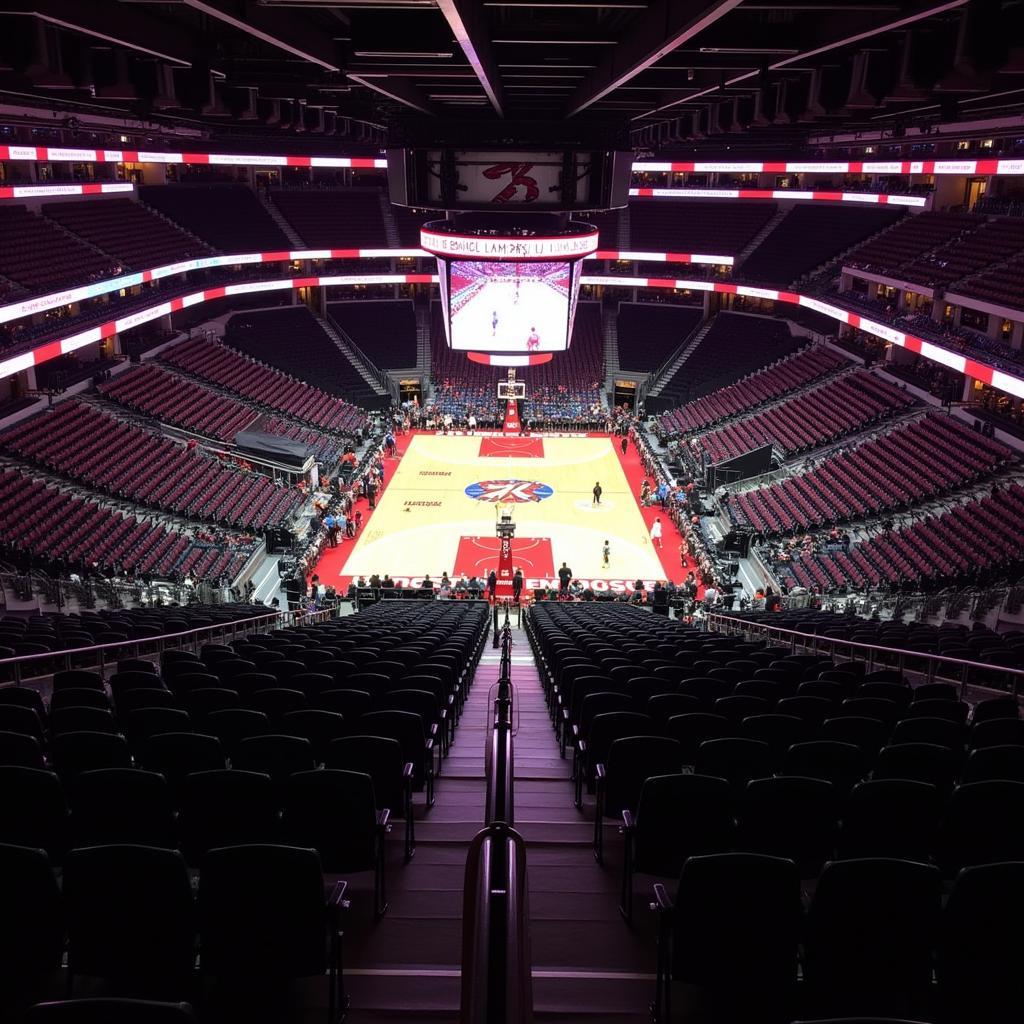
765	72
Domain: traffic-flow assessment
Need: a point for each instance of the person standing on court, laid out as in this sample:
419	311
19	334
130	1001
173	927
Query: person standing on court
371	490
597	493
606	553
517	585
625	443
492	584
564	579
656	534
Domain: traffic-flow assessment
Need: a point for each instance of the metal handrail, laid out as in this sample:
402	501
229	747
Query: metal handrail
869	652
500	803
187	638
497	984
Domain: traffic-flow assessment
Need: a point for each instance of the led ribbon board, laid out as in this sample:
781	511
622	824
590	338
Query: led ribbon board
1007	382
41	303
797	195
92	188
898	167
139	156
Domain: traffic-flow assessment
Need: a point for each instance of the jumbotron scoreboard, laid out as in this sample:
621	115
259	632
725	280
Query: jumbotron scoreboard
509	253
509	283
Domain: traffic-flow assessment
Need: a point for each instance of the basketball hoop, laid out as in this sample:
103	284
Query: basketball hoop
511	389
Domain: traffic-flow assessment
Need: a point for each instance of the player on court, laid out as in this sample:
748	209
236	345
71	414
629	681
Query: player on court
494	323
606	553
656	534
533	340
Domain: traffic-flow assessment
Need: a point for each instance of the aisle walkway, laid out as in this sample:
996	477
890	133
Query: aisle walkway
406	967
589	966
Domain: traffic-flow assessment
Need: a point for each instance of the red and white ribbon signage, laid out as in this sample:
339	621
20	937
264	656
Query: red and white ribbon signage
91	188
796	195
1010	383
67	296
900	167
897	167
140	156
508	247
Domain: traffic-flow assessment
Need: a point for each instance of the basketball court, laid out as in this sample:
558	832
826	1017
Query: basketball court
438	511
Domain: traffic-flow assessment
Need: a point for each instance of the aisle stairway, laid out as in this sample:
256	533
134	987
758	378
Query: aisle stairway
423	339
609	321
588	964
358	361
280	220
663	377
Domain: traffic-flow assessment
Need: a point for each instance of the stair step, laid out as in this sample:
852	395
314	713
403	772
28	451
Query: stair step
589	967
592	996
351	355
279	219
666	376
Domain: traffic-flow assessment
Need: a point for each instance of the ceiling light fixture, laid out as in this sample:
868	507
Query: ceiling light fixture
401	54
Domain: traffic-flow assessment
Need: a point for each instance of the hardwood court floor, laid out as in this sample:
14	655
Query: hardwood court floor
437	513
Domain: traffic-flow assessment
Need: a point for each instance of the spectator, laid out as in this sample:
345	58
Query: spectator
564	579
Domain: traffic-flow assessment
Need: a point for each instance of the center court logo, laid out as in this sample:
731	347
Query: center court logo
509	490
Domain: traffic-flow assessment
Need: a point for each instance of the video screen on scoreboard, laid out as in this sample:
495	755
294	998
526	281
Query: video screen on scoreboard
509	307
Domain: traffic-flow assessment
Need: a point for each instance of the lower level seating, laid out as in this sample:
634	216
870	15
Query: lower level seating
981	541
765	385
735	344
96	448
825	413
57	631
743	775
873	477
291	340
47	528
259	383
173	399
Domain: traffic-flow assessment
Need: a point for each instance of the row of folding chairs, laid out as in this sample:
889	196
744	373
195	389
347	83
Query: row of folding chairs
930	749
224	715
667	818
129	914
799	717
876	938
841	750
101	766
